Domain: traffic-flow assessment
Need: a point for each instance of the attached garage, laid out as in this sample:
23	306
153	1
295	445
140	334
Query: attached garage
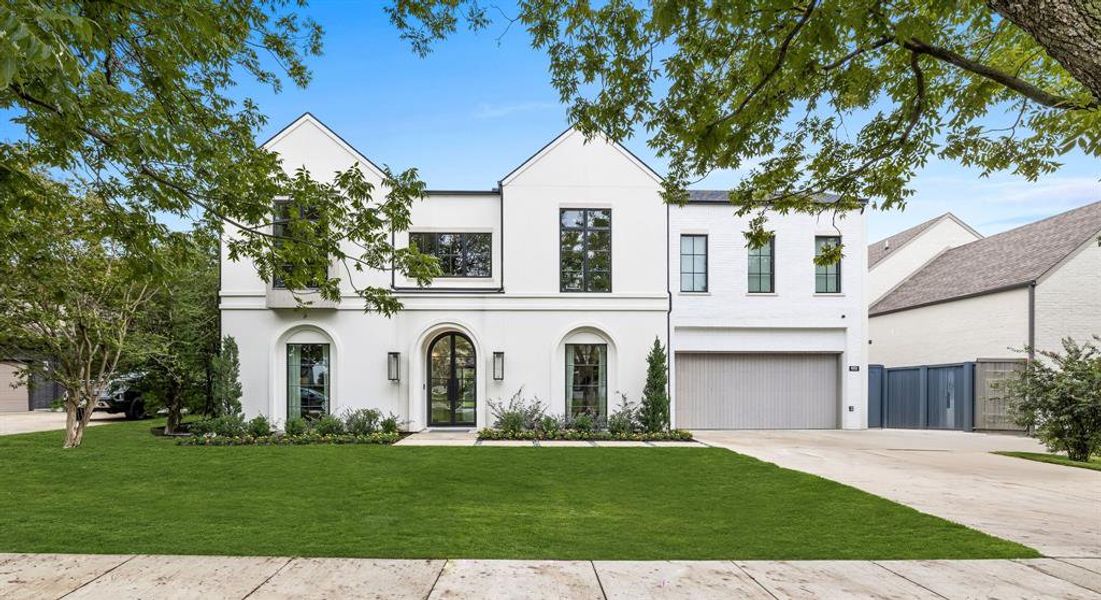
720	390
12	399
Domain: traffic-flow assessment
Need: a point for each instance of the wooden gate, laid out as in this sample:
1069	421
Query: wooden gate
991	405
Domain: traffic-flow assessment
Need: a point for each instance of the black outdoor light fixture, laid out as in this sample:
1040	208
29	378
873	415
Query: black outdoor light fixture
498	366
392	365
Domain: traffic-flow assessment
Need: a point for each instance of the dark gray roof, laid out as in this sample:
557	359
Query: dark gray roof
723	197
1011	259
879	250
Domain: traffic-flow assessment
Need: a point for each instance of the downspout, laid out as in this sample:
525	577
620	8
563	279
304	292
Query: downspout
1032	320
668	314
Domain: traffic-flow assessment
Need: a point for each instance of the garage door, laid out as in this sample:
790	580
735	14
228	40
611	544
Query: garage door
756	391
11	399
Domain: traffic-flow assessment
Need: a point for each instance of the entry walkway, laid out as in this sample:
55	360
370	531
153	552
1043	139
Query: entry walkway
213	577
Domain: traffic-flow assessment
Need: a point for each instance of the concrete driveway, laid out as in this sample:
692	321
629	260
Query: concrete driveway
1052	508
46	420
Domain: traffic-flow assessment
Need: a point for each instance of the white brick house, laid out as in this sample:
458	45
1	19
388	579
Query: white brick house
565	273
986	298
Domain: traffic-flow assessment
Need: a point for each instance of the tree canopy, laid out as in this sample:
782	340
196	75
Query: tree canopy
133	103
813	97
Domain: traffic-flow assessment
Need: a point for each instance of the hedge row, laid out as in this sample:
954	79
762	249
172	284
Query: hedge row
674	435
290	440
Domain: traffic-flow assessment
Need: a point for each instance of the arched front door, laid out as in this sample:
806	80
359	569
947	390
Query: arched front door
452	396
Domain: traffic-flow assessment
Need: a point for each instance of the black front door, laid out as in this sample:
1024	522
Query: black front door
452	399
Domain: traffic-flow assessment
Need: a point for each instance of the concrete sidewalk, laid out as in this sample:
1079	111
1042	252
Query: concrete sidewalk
209	577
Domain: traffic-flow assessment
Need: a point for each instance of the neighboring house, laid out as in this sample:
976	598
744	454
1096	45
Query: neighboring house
986	299
558	281
17	396
892	260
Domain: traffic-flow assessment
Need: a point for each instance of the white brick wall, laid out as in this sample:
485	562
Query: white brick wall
1068	299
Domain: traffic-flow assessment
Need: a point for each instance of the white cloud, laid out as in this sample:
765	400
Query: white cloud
496	111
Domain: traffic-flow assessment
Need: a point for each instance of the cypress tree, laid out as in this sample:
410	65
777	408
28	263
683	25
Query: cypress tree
654	411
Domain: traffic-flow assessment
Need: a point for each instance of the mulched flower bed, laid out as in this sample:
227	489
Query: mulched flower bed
675	435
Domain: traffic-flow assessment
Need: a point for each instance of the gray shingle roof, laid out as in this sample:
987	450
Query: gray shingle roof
879	250
1014	258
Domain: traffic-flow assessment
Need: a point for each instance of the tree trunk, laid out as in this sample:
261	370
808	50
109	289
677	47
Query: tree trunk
1070	31
77	414
173	406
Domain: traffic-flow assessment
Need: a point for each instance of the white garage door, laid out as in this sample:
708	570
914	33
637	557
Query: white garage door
716	390
11	399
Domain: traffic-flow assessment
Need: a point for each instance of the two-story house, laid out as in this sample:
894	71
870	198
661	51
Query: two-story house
557	281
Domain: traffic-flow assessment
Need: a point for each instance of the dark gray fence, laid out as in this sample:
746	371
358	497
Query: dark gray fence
927	397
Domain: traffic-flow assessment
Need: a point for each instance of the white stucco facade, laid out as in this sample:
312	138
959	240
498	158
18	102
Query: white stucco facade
519	309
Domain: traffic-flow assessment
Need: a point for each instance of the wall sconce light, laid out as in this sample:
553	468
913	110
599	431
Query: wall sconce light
498	366
392	372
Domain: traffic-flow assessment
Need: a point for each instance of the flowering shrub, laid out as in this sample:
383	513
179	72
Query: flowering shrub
290	440
673	435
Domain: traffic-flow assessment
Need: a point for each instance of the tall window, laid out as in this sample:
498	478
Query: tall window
307	380
586	250
762	272
587	379
459	254
281	227
693	263
827	278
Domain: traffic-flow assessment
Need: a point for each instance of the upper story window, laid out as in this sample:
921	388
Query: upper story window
827	278
693	263
281	218
586	249
459	254
762	271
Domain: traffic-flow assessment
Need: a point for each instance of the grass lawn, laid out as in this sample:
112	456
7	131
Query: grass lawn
146	495
1058	459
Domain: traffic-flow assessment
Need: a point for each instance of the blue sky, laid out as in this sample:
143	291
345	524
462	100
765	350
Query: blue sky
478	106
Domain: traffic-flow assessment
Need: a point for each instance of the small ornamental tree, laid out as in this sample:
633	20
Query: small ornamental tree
1060	398
226	380
654	412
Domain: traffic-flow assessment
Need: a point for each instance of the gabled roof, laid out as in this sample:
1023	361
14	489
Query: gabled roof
558	139
1015	258
308	118
877	251
723	197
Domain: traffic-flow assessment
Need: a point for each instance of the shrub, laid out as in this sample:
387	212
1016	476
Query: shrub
225	426
328	425
550	425
295	426
518	414
584	423
290	440
390	424
1060	399
654	411
226	379
625	419
259	426
362	421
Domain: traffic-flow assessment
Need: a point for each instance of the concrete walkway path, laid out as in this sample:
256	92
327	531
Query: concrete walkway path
35	576
954	475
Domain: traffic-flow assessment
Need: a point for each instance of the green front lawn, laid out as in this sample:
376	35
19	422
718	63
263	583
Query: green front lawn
147	495
1057	459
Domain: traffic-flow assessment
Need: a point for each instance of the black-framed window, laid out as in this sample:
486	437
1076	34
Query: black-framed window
459	254
827	278
587	379
307	380
586	249
762	268
281	218
693	263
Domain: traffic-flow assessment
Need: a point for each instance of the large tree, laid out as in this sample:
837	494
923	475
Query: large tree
70	293
133	102
848	97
